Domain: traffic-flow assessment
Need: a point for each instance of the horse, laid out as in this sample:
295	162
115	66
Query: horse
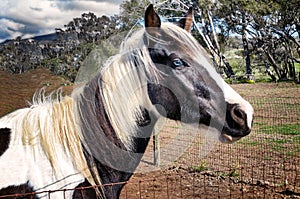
98	134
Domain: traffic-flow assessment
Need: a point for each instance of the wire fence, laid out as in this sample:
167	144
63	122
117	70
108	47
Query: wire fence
192	164
265	164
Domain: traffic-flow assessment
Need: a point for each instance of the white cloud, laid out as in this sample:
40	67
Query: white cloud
10	28
10	25
34	17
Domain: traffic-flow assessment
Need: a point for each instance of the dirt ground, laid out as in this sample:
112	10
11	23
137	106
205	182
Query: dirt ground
263	165
16	90
266	164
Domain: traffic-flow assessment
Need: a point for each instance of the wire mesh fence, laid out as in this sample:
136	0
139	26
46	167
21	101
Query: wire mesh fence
192	164
265	164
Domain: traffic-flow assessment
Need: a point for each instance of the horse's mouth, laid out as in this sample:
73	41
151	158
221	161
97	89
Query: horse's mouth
231	135
225	138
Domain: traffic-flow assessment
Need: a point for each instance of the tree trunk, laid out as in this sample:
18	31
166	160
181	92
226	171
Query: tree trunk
298	43
247	55
272	61
213	51
246	48
270	73
291	67
290	61
228	69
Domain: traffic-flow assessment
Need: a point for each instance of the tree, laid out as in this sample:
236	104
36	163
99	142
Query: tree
237	15
207	11
268	30
132	13
275	33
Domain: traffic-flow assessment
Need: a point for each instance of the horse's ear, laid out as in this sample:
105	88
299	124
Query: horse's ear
187	22
151	18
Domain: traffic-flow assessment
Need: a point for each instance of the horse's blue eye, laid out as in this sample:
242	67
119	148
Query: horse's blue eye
177	62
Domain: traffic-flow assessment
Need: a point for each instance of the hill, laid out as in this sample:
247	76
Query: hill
16	90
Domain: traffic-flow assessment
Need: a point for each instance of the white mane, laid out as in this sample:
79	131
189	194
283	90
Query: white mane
50	126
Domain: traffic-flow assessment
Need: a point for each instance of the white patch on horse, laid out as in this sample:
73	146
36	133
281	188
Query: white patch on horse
28	159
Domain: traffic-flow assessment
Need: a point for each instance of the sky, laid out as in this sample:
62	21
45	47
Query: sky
28	18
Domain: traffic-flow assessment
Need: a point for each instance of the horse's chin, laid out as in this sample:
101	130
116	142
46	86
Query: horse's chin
225	138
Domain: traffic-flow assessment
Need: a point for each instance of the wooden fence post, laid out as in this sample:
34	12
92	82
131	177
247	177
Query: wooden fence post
156	148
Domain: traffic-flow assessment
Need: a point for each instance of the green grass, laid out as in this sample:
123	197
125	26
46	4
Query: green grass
289	146
297	67
250	142
284	141
231	173
201	167
260	123
267	158
283	129
278	147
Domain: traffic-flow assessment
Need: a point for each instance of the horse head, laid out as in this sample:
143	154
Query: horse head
188	88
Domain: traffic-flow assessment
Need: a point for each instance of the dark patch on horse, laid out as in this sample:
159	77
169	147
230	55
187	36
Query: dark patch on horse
84	190
4	139
108	177
107	174
25	191
167	99
104	121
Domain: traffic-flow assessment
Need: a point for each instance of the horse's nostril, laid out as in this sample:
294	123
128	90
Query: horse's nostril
238	116
238	113
236	119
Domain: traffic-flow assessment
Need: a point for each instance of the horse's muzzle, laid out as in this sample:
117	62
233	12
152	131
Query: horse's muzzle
237	124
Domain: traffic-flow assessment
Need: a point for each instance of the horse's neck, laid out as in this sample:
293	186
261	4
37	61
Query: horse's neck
105	123
110	175
146	128
113	160
92	94
143	134
132	158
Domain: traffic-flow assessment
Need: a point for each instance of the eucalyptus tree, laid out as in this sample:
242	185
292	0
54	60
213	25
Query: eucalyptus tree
132	12
268	30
